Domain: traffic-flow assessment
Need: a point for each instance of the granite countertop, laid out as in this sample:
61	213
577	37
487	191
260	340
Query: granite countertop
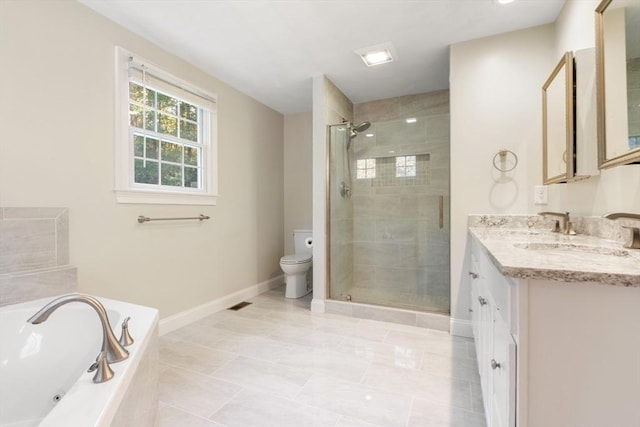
533	253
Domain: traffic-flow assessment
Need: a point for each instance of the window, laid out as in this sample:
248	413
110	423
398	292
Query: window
405	166
366	168
166	139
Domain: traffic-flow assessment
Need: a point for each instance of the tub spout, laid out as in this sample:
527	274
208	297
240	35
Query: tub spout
110	345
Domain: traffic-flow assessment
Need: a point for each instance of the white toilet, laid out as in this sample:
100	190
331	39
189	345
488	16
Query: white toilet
297	267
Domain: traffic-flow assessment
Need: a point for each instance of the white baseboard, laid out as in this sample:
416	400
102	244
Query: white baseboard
317	306
461	328
178	320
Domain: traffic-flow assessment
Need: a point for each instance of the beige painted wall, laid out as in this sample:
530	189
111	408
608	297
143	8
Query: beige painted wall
298	152
495	103
57	127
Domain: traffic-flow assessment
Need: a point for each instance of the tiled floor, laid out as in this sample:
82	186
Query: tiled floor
274	363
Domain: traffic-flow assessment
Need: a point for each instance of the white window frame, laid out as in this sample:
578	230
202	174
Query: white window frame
128	191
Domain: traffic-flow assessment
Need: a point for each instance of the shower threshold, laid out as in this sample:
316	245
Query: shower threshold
437	321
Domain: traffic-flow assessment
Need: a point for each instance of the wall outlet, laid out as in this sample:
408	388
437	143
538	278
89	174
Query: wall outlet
540	195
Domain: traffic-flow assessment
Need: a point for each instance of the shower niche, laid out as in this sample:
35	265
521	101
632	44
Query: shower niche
389	233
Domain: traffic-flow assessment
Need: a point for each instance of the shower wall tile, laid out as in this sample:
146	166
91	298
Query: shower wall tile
402	107
364	276
426	104
436	127
364	229
376	111
342	231
426	254
400	279
436	283
398	230
400	254
392	206
375	254
400	133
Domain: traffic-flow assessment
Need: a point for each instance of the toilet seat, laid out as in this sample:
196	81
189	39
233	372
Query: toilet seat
296	259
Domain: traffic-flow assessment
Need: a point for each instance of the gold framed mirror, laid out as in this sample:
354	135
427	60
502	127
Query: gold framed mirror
618	82
558	138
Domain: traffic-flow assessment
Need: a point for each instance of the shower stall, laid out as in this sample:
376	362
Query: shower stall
388	204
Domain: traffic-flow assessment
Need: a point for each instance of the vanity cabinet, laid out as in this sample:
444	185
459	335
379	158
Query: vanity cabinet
553	353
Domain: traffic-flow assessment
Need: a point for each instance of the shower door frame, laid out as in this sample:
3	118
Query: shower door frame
327	192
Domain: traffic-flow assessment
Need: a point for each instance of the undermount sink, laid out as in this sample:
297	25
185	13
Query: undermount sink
572	247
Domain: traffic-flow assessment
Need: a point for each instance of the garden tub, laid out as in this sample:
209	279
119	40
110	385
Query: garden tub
43	368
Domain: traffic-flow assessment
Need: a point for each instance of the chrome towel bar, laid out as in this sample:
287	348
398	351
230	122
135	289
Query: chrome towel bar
142	219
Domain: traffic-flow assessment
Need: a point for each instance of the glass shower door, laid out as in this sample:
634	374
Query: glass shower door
389	233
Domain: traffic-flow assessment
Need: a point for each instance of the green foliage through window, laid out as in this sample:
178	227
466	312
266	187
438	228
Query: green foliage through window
165	142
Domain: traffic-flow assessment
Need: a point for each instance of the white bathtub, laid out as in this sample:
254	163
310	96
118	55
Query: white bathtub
43	368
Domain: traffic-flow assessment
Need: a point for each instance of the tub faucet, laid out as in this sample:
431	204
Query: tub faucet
114	352
564	226
634	241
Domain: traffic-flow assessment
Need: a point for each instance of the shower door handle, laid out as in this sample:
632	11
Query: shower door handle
440	211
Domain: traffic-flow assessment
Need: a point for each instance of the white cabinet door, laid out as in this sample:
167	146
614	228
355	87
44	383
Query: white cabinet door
503	367
476	308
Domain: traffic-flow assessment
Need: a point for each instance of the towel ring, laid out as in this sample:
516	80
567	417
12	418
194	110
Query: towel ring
500	160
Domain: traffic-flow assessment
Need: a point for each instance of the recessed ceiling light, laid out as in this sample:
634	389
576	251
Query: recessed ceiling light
503	1
411	120
376	55
369	135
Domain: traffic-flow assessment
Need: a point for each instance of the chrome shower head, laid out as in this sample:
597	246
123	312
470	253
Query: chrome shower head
360	128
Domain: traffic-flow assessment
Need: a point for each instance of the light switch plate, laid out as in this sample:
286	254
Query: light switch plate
540	195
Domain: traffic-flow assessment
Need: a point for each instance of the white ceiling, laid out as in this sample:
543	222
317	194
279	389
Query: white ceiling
270	49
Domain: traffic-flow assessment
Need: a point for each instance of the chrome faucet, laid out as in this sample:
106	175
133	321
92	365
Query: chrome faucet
563	225
111	351
634	241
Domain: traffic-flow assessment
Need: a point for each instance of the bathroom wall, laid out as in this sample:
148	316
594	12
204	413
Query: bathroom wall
34	254
401	255
298	152
615	189
330	106
57	127
495	103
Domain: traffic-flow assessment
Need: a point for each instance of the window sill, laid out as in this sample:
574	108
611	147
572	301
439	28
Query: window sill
164	198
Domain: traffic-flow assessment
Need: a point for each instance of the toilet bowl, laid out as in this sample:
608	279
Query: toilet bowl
297	267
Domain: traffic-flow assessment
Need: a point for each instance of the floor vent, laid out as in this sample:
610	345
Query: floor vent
239	305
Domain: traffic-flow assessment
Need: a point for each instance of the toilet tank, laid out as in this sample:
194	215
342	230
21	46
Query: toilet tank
302	240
